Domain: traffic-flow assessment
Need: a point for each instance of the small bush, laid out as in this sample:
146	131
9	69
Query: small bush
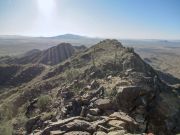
47	116
130	49
6	111
72	74
44	102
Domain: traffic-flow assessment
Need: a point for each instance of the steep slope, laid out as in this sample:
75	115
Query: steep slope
51	56
57	54
106	89
13	75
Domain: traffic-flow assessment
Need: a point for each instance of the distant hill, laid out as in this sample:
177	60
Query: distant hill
77	39
70	36
50	56
16	45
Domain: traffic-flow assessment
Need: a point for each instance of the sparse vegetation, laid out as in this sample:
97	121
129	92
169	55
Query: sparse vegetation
130	49
6	128
44	102
6	111
93	56
71	79
71	74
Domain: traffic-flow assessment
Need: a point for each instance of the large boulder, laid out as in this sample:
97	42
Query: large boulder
79	125
129	97
103	104
58	125
124	120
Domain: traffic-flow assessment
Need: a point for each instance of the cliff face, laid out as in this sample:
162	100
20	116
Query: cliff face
106	89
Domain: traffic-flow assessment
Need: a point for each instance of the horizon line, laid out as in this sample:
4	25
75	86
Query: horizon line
86	36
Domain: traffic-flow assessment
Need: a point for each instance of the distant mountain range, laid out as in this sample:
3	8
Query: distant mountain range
15	45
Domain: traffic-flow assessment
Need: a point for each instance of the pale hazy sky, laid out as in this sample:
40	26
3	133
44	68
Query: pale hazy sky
149	19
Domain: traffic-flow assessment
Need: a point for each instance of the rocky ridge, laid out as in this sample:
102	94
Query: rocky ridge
116	92
51	56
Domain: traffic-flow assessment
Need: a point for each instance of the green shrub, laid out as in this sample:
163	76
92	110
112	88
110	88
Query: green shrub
47	116
6	128
130	49
71	74
6	111
44	102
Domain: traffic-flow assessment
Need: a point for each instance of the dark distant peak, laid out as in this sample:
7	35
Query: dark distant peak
110	42
63	45
69	36
163	41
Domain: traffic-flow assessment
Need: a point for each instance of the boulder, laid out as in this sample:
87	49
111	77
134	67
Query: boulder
79	125
128	97
92	117
99	133
116	123
129	123
139	118
122	116
103	104
57	132
58	125
77	133
117	132
94	111
108	112
109	77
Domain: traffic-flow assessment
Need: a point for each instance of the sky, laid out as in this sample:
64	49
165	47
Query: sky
137	19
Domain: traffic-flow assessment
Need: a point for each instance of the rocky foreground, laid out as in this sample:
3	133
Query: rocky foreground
116	93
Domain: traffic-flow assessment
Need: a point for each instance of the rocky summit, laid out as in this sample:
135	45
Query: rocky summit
106	89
